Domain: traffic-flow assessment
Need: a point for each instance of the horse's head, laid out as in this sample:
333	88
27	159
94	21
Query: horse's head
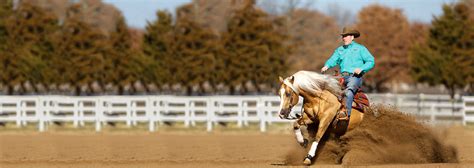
289	97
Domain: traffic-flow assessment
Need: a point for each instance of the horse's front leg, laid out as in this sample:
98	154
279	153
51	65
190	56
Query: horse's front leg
299	135
328	112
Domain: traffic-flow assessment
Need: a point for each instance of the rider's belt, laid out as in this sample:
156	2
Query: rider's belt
346	74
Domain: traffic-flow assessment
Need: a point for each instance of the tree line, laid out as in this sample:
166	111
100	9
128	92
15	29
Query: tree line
177	55
220	47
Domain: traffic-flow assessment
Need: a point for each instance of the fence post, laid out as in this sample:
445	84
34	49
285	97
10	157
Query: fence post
245	105
24	107
40	113
133	112
129	113
398	103
80	109
433	112
468	110
149	112
261	115
240	114
98	115
187	114
421	102
210	110
192	113
75	113
18	113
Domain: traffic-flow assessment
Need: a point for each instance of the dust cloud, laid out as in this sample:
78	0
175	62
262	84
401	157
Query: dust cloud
389	137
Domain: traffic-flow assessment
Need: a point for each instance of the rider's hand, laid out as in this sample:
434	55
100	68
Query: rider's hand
357	71
324	69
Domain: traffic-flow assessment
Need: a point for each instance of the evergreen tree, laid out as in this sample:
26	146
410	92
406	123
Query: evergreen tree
81	53
6	10
447	57
157	49
254	50
120	61
29	47
195	52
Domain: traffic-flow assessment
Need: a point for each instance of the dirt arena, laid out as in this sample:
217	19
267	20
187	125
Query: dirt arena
370	146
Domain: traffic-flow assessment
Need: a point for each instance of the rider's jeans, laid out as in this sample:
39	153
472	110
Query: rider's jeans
352	83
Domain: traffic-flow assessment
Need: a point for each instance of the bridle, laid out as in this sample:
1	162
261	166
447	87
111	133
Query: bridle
287	83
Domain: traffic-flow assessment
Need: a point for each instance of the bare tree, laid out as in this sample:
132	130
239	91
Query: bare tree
386	33
343	17
281	8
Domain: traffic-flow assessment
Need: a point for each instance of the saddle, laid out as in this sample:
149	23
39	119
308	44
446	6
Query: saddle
360	101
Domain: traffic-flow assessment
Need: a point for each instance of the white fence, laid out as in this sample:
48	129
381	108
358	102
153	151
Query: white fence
153	110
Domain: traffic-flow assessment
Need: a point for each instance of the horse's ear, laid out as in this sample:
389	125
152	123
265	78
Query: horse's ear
292	79
281	79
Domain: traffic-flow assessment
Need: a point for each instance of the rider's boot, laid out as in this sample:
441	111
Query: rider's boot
342	114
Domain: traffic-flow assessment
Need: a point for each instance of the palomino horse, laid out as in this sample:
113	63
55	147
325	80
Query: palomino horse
320	105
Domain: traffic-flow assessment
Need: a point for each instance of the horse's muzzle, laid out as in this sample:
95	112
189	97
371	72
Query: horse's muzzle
284	113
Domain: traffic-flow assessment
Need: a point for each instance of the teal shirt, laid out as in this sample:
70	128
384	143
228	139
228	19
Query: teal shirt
351	57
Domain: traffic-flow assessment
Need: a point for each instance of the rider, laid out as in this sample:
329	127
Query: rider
354	60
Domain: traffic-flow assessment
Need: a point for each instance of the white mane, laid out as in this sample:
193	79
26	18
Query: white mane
315	83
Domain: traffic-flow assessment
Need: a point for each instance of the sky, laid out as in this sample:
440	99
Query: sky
138	12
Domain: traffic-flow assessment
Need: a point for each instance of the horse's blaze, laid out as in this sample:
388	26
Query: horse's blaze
284	103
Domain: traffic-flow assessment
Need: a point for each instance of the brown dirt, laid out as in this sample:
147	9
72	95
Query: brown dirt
391	140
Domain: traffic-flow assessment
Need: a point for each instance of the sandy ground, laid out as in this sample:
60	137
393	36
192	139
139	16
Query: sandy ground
168	149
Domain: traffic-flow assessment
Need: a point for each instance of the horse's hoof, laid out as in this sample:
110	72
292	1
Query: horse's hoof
304	144
307	160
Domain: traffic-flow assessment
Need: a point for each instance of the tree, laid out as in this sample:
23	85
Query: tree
342	16
95	13
29	47
6	10
388	43
213	14
157	47
122	66
419	33
447	56
254	50
470	5
313	36
81	53
195	51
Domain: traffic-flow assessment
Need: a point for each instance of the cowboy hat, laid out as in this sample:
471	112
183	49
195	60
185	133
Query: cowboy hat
350	31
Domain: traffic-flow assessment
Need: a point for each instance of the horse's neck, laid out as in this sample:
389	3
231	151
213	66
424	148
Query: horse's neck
311	99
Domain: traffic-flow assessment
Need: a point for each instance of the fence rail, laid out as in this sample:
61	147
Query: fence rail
153	110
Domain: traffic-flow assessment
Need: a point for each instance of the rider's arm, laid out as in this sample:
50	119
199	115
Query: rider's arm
369	61
333	60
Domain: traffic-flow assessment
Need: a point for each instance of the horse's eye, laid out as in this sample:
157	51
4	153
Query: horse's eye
288	94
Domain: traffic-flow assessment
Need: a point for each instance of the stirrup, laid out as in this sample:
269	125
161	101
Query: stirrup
342	116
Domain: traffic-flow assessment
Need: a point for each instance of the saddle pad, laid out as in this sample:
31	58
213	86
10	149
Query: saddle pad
361	101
